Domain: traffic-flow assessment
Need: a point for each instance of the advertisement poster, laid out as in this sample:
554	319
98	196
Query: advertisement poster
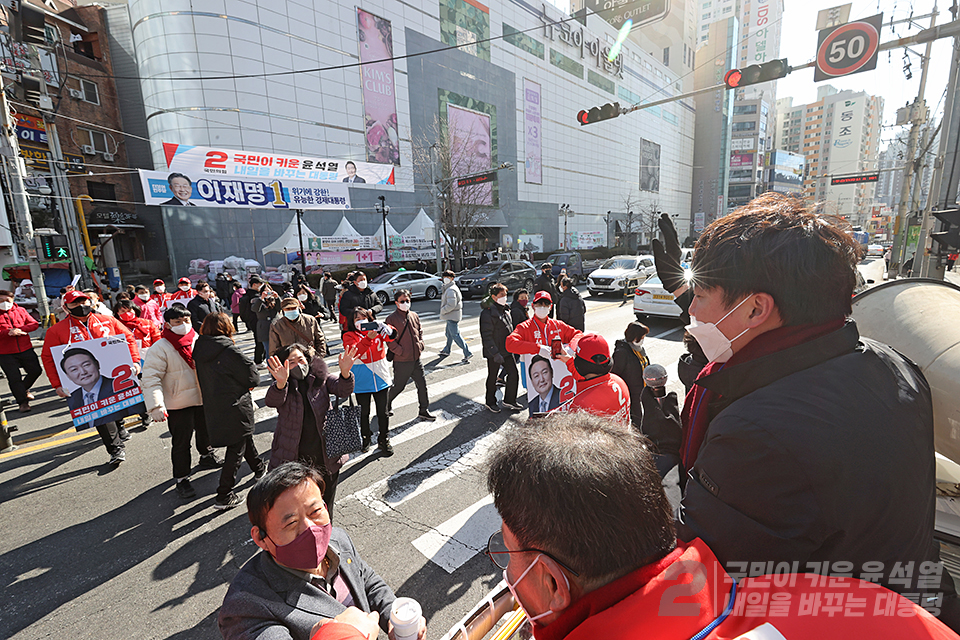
273	192
649	166
590	239
741	160
382	136
533	163
98	374
320	258
471	152
221	163
531	243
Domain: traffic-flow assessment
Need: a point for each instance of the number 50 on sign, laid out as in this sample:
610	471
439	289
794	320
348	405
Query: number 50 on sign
849	48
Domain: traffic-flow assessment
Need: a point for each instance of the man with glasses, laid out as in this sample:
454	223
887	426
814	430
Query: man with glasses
588	549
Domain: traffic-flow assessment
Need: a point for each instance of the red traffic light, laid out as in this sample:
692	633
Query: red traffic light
583	117
596	114
732	78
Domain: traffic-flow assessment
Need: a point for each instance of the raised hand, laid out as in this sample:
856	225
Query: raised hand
279	370
666	255
347	360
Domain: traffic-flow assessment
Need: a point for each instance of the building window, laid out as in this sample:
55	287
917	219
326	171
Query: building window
744	126
95	139
744	109
51	34
727	9
90	92
666	56
707	5
103	191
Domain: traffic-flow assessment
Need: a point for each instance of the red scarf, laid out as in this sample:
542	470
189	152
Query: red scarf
696	416
183	344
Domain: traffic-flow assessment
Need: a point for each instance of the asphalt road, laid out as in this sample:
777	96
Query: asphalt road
88	551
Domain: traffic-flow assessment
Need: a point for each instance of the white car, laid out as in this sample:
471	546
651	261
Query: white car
651	299
420	284
620	274
875	250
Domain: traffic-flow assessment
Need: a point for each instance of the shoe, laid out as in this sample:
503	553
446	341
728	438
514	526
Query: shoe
466	358
494	408
231	501
386	447
259	473
513	406
210	461
117	458
30	396
262	365
25	407
389	413
124	434
443	354
501	382
365	445
185	490
426	415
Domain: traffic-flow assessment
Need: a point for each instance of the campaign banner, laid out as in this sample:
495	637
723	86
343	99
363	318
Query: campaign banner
533	164
197	161
99	376
339	243
321	258
549	383
415	242
403	255
178	189
382	135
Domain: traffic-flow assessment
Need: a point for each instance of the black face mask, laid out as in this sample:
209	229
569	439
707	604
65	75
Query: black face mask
82	311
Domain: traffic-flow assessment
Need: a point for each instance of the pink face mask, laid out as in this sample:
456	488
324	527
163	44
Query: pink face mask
307	550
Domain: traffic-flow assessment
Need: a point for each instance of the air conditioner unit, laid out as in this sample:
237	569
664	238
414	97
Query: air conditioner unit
108	157
88	150
75	93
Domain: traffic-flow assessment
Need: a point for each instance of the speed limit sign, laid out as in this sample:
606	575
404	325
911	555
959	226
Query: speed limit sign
849	48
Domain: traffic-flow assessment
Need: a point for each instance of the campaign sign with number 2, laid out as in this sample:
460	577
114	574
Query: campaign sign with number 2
99	376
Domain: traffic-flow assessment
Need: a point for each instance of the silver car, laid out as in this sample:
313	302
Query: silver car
620	275
420	284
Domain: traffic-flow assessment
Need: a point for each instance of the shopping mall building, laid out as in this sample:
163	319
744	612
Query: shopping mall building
217	73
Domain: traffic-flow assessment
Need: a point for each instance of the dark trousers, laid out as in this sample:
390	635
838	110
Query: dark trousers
259	350
11	363
236	320
110	434
183	424
380	399
402	372
331	306
242	450
512	377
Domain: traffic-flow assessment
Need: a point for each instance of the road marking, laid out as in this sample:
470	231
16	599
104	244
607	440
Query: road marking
45	445
451	544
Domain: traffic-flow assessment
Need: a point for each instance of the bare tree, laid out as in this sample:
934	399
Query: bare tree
441	155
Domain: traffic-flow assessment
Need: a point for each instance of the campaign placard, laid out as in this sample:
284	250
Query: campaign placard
549	383
99	376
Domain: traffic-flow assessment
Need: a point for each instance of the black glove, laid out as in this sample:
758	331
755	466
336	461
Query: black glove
666	255
661	420
498	359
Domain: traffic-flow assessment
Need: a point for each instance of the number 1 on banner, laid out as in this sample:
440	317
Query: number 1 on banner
277	194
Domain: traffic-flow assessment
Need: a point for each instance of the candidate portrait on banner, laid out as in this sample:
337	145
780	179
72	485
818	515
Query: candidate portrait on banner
182	188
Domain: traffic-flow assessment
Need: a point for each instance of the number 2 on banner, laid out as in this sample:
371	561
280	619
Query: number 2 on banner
568	388
277	194
216	160
123	378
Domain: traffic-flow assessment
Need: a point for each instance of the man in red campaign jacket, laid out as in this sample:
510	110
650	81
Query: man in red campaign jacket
160	295
538	334
589	550
184	293
597	391
79	325
16	350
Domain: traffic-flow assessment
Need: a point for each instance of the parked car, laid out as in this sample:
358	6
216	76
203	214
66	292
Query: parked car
621	274
420	284
875	250
651	299
572	261
514	274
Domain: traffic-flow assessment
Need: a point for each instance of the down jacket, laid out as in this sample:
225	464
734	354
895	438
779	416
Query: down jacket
168	381
226	377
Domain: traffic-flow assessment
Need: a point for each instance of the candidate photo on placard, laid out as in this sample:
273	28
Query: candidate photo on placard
549	383
99	376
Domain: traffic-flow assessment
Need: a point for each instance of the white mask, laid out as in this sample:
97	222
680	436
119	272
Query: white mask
143	296
160	289
637	346
522	576
501	300
184	287
361	284
716	346
541	311
181	329
302	297
447	280
6	306
403	306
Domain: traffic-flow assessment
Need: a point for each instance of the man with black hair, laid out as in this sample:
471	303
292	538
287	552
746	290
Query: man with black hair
182	188
597	389
545	282
496	326
249	317
358	294
328	289
307	571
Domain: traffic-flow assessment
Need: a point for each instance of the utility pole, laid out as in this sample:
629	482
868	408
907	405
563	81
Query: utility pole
917	116
68	217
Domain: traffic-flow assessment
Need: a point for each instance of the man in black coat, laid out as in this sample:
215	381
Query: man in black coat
805	443
358	294
202	305
495	326
249	316
570	307
544	282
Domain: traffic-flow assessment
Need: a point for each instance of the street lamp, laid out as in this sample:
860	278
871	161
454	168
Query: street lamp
566	213
383	209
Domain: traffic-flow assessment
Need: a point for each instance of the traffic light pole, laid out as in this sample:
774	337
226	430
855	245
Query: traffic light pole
68	217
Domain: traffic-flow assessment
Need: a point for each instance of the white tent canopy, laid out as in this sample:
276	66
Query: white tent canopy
345	229
421	228
289	240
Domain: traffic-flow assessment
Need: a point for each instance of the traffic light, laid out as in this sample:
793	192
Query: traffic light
596	114
949	237
756	73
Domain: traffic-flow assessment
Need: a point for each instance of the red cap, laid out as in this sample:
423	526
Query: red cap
593	348
157	281
542	295
73	296
183	280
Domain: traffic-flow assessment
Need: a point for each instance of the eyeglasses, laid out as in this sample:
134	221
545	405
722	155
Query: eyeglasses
500	555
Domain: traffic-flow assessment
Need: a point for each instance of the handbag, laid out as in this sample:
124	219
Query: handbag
390	354
341	429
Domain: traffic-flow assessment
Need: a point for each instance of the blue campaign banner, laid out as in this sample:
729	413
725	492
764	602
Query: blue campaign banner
274	191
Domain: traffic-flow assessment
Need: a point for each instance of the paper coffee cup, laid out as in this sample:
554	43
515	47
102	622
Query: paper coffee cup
405	617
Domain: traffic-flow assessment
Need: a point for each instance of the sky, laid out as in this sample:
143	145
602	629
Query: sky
798	45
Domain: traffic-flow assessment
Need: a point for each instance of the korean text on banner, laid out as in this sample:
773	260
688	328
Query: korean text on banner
378	88
274	192
221	163
99	376
533	163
